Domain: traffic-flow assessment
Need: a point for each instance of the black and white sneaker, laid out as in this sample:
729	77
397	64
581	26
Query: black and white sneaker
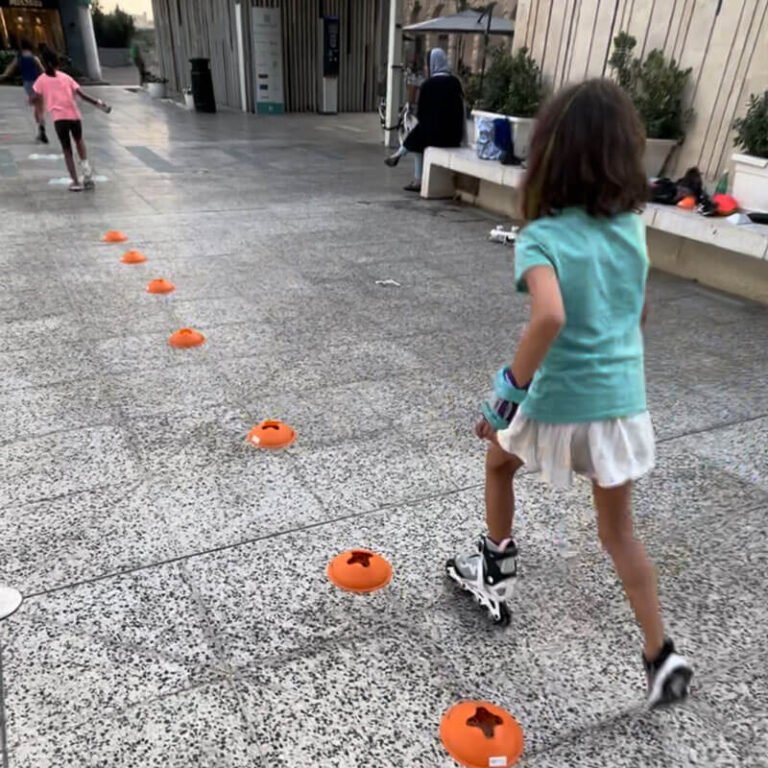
669	677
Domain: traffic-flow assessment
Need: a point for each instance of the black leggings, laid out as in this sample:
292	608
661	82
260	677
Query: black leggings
67	130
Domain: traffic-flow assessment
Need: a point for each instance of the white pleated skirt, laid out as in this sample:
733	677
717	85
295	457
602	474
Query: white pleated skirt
610	452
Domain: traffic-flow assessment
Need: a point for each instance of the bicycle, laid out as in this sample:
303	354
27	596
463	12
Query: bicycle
406	119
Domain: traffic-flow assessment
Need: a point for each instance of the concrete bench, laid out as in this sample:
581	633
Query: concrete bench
714	251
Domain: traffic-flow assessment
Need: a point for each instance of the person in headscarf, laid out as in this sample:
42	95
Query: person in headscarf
441	115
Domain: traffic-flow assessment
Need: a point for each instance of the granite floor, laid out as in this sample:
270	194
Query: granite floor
177	611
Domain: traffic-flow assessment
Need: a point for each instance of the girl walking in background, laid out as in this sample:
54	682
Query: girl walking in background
58	91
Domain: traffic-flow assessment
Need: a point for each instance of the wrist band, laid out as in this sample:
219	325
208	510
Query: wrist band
506	388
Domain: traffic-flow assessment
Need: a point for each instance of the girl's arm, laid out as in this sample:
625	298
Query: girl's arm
39	65
547	320
9	69
89	99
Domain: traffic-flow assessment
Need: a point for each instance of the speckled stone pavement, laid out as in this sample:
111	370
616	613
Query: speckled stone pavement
177	613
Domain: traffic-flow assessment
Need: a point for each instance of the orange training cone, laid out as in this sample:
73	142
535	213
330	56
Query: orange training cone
113	236
160	285
185	338
478	734
359	570
271	434
133	257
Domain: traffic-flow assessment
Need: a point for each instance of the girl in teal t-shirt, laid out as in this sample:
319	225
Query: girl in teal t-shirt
573	399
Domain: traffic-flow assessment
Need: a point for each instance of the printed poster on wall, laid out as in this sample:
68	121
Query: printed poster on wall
267	37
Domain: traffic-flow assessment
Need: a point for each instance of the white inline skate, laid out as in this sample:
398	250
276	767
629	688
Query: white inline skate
488	574
87	170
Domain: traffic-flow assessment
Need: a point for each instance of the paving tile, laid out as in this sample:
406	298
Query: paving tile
96	649
66	462
85	535
202	727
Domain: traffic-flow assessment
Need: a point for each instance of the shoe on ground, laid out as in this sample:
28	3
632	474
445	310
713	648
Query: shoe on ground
414	186
669	677
75	186
10	600
42	137
392	161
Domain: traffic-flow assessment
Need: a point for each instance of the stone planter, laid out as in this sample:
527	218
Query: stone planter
750	182
522	128
156	90
656	153
115	57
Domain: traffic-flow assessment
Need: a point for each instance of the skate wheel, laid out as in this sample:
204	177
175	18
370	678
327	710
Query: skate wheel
478	734
504	616
359	570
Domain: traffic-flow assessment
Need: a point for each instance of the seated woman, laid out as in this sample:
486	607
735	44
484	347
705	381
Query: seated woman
441	116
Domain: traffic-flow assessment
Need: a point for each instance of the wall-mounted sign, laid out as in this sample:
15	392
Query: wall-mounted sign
33	5
267	39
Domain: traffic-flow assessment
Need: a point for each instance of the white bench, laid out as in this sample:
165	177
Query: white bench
732	257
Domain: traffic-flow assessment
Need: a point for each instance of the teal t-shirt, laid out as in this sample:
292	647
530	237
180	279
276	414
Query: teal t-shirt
594	370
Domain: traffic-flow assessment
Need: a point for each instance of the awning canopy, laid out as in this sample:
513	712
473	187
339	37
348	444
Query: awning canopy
464	23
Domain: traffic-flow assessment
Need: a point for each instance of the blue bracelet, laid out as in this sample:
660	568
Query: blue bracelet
506	388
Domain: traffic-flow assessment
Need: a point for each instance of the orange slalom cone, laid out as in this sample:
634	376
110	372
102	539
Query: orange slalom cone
185	338
478	734
271	434
359	570
133	257
160	285
114	236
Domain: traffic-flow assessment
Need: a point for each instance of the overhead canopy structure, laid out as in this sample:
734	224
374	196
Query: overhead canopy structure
465	23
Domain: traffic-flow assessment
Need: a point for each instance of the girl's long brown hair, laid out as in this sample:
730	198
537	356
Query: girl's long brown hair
586	151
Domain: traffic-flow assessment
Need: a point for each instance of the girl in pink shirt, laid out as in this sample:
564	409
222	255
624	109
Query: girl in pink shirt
58	91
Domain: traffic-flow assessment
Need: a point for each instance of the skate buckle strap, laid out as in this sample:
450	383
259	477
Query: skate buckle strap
506	388
493	418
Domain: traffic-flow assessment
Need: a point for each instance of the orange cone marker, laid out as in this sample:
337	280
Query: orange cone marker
160	285
113	236
359	570
133	257
478	734
185	338
272	434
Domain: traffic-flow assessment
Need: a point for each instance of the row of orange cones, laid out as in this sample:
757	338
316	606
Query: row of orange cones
477	734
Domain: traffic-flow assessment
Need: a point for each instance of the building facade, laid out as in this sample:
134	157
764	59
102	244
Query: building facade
725	43
64	26
250	42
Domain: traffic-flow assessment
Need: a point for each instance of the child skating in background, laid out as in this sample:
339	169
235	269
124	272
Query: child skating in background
573	400
29	69
58	91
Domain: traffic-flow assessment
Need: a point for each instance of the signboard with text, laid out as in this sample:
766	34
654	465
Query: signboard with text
267	39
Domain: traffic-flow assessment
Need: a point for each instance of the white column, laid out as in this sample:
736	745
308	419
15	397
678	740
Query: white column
241	56
394	69
85	24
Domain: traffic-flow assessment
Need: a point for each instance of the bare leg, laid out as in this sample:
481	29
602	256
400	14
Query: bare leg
81	150
69	159
633	566
500	469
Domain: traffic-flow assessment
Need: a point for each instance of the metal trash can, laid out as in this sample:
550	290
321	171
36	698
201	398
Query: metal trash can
202	85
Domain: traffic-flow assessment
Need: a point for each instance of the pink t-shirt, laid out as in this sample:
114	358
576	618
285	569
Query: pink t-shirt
59	95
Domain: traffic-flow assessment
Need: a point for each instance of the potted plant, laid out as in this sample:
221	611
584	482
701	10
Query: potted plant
189	99
657	89
512	89
750	173
155	85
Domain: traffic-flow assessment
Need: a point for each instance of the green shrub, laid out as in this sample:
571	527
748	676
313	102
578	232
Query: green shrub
512	84
752	129
112	30
656	87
